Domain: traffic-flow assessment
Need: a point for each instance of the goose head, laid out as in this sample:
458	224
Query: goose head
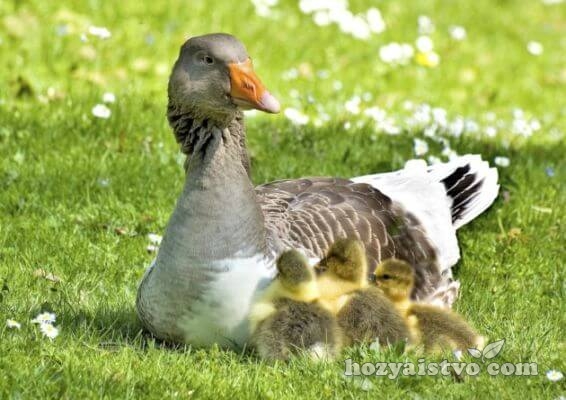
214	79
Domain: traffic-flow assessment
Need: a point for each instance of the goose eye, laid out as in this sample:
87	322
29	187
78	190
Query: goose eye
208	60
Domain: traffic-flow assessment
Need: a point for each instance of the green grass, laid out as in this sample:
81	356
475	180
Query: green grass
69	181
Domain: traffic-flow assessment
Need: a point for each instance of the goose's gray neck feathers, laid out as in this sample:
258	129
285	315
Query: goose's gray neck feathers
189	127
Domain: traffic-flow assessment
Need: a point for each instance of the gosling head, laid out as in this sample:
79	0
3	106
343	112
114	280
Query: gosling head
347	260
293	270
396	278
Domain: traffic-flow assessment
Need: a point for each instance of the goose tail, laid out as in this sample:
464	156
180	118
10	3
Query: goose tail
471	185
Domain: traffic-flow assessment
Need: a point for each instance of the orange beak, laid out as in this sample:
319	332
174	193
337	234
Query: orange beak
247	91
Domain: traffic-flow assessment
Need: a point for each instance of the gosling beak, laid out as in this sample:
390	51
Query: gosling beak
247	91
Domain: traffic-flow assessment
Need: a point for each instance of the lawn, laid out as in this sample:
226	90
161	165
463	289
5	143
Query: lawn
79	194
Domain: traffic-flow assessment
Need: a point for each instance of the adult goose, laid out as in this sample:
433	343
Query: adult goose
224	235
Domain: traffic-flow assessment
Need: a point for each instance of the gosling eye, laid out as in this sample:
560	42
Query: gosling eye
385	277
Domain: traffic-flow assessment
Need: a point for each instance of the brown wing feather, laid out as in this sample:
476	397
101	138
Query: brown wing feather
311	213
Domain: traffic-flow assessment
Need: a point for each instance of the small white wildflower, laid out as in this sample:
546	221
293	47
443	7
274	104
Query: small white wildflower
366	385
375	113
388	126
449	153
440	116
430	59
49	331
424	44
99	31
44	318
456	127
430	131
432	160
101	111
396	53
353	105
408	105
458	354
425	25
263	7
294	93
12	324
375	346
360	28
518	113
104	182
535	124
83	38
501	161
554	376
323	74
296	116
490	131
337	85
472	126
535	48
347	125
154	238
151	248
521	127
109	97
321	18
375	20
458	32
420	147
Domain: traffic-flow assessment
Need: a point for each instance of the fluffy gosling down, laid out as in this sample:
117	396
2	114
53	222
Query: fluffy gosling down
288	320
435	328
364	313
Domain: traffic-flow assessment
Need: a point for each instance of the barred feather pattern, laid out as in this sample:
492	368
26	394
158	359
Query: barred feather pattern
311	213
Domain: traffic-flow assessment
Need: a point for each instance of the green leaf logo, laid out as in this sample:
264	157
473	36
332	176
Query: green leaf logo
474	353
493	349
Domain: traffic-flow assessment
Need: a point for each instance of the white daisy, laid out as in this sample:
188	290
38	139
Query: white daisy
154	238
99	31
490	131
49	330
424	44
375	113
321	18
44	318
296	116
458	32
535	48
108	97
554	376
375	20
426	26
375	346
101	111
396	53
501	161
353	105
458	354
420	147
12	324
433	160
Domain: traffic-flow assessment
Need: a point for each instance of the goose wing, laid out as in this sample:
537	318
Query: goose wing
311	213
